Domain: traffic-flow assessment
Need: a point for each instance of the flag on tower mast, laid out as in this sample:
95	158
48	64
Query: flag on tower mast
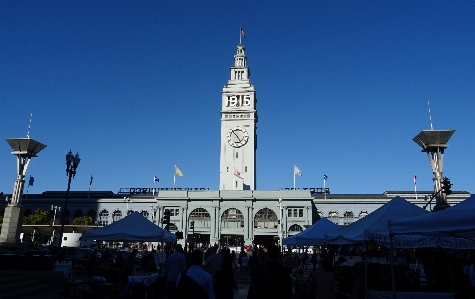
241	34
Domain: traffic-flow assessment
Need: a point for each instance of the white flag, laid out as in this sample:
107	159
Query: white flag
178	172
297	170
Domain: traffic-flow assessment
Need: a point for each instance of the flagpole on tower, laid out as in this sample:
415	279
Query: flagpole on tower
174	176
240	34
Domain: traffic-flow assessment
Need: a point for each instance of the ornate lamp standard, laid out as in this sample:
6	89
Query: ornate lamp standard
55	209
128	200
154	210
72	162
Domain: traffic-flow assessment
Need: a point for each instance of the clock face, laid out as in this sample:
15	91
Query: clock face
237	137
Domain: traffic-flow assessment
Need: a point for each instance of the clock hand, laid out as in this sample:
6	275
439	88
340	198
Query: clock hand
237	136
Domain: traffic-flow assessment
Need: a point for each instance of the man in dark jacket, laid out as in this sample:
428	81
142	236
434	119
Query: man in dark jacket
272	279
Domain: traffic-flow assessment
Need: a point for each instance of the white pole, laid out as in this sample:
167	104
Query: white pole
174	180
280	223
324	186
415	190
294	179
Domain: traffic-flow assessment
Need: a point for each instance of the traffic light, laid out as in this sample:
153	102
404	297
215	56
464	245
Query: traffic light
166	217
446	185
192	225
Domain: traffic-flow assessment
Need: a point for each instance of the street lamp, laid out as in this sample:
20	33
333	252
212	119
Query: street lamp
72	162
55	209
128	200
154	210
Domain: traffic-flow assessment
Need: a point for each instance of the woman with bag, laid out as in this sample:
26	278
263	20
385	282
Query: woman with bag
323	284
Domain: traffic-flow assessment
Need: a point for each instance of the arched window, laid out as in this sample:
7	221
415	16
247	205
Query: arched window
348	217
266	218
172	227
91	213
295	228
78	214
116	215
201	217
333	216
144	213
363	214
232	218
103	218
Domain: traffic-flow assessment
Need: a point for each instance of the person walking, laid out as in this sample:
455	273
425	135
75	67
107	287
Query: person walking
224	281
92	263
241	254
130	263
272	279
195	282
176	263
303	259
253	265
244	264
213	262
314	261
324	281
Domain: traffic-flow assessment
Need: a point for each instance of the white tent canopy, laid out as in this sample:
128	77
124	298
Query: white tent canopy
375	225
312	236
454	223
133	227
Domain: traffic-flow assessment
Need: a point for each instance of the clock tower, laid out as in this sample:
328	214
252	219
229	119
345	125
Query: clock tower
238	128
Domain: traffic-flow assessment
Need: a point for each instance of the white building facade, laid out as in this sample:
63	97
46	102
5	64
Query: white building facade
236	214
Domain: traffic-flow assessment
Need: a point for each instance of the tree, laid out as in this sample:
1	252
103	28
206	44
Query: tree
38	218
84	220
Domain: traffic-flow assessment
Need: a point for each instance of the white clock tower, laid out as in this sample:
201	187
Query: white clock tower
238	128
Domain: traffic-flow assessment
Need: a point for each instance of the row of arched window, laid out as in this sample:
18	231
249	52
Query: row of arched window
347	214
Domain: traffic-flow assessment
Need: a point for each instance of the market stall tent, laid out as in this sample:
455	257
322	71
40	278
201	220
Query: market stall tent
133	227
456	221
375	224
312	236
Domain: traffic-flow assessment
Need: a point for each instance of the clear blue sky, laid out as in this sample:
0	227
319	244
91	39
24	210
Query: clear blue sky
135	88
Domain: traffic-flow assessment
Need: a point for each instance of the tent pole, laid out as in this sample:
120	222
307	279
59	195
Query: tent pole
366	271
393	280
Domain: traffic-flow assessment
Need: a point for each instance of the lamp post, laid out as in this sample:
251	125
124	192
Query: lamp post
55	209
279	222
128	200
154	210
72	162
